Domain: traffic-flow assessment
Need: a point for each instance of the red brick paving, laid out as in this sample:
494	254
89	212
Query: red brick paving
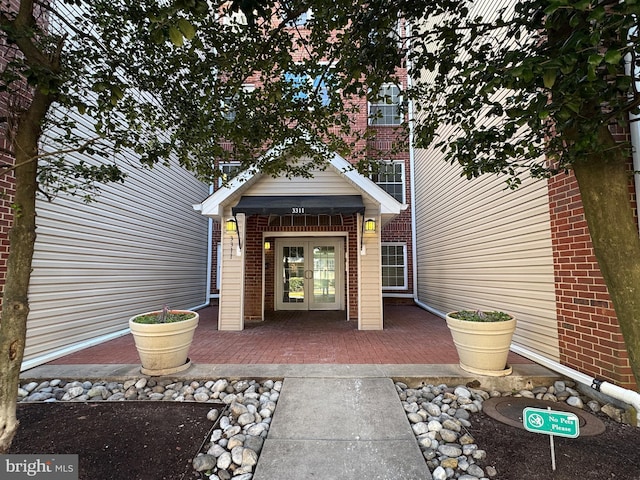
411	335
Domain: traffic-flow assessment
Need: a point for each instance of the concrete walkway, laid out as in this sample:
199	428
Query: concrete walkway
349	428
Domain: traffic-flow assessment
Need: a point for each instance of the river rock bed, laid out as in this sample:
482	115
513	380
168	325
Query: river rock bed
238	432
439	416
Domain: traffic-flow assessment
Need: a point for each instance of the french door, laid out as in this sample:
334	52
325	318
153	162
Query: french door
309	273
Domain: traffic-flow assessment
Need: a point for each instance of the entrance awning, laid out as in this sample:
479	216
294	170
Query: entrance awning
308	205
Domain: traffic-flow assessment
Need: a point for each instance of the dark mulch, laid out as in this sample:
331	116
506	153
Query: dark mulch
521	455
118	440
157	440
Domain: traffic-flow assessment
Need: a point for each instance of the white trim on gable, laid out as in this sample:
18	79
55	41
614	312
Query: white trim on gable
214	205
388	204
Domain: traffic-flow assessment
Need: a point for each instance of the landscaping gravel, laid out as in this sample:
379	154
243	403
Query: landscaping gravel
233	448
438	414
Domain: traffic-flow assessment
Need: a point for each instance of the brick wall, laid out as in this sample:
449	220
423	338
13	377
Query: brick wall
254	249
385	139
7	179
7	191
589	335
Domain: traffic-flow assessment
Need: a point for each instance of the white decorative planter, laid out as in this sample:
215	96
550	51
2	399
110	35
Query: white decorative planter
483	347
164	347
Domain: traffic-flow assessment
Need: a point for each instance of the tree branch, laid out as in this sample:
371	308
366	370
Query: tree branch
9	168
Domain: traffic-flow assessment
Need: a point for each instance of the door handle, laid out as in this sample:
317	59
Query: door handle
308	274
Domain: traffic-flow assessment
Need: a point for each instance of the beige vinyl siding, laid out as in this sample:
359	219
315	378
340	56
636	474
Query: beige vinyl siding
370	303
325	182
480	246
231	307
138	247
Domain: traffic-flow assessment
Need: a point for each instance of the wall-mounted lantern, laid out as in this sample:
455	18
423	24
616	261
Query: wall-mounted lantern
231	227
370	225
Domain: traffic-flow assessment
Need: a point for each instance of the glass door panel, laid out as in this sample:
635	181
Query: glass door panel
293	274
324	275
309	274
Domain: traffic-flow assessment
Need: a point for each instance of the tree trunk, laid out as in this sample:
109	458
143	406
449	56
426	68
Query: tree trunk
604	186
15	308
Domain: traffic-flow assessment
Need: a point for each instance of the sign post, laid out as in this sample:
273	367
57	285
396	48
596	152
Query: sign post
552	423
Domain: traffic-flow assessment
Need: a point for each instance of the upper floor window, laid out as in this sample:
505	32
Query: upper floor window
228	105
300	21
305	87
390	177
385	108
228	171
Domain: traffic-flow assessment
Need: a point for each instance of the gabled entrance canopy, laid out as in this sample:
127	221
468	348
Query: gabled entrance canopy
309	205
375	200
316	263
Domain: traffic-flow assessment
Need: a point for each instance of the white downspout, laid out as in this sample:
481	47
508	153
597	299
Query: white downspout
209	253
209	259
634	125
624	395
412	183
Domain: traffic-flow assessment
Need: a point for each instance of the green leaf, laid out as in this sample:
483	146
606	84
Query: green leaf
549	78
595	60
176	37
187	29
157	36
597	13
99	87
582	4
117	92
551	8
613	57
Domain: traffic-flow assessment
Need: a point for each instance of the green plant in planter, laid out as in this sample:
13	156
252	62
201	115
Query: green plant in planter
166	315
480	316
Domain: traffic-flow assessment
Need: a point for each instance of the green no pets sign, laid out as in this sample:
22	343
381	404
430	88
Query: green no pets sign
551	422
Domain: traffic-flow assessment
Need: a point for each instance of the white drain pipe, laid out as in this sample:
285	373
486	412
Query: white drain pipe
624	395
634	126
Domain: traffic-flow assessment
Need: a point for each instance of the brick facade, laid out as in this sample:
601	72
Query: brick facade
7	192
7	179
384	145
256	227
589	336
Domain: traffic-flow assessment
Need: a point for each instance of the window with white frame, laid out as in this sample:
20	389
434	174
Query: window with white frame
305	86
390	177
394	266
384	109
228	171
228	105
